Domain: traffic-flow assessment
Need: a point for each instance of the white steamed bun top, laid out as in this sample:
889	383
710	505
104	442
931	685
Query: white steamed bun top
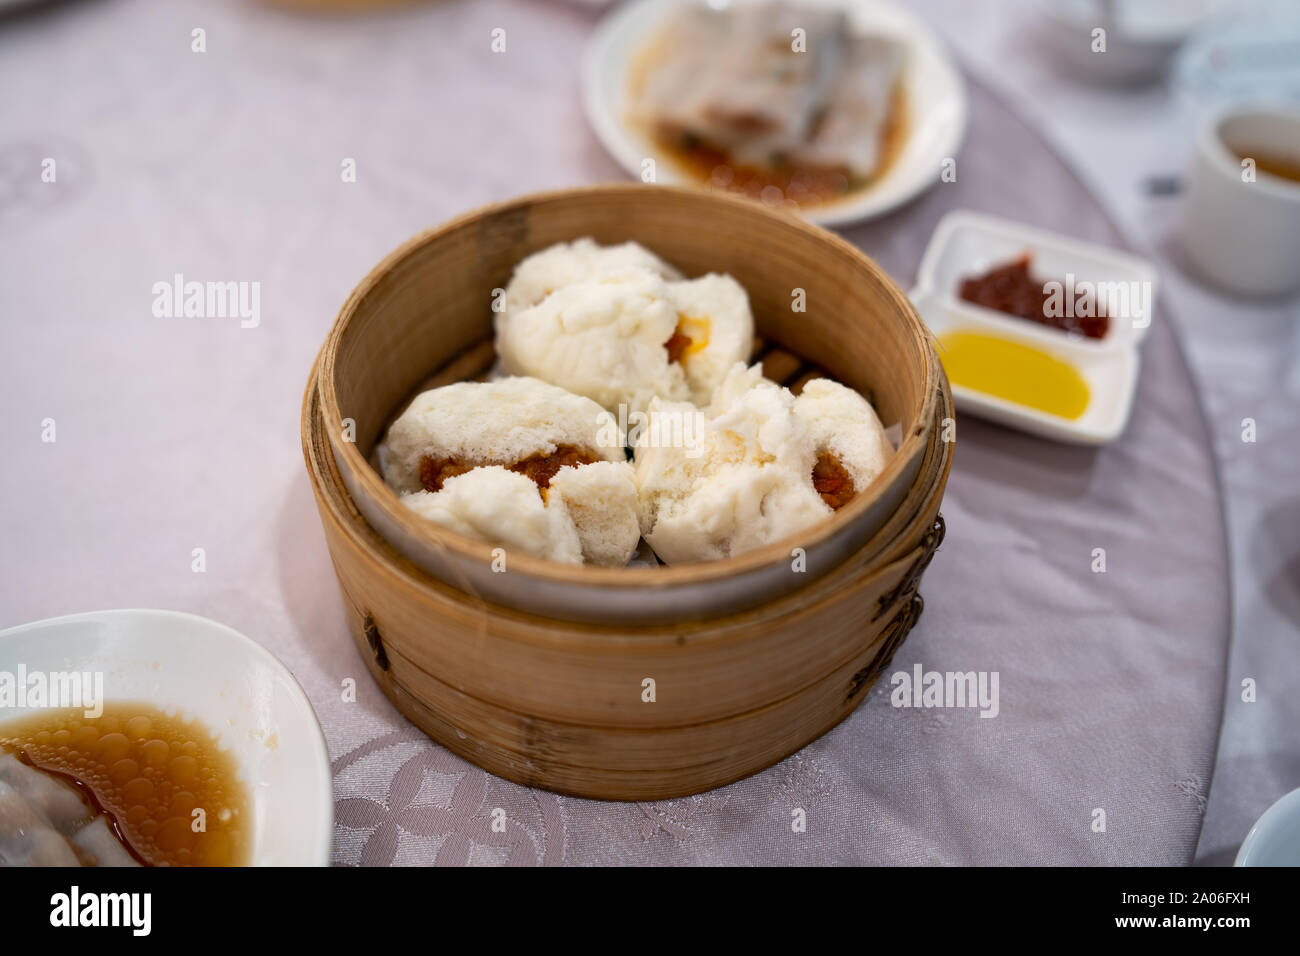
607	317
497	422
565	263
743	476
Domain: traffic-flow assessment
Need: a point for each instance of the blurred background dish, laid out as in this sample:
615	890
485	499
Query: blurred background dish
890	74
1062	391
969	244
1141	37
1252	55
1241	216
1061	385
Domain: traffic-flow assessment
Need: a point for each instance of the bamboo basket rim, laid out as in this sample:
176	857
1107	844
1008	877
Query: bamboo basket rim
648	579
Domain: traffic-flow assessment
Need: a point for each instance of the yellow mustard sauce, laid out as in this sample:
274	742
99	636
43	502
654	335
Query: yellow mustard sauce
1018	373
695	328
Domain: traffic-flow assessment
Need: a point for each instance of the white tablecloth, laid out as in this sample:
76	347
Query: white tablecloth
180	434
1245	355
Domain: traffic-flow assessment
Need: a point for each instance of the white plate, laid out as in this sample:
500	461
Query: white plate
936	102
967	243
1274	840
205	670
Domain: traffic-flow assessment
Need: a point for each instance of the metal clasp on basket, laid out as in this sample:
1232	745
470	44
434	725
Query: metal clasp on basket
905	618
375	642
930	544
894	633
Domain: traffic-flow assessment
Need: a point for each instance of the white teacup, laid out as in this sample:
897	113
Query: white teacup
1242	231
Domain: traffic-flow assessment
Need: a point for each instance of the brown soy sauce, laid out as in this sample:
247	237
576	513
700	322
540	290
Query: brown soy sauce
171	795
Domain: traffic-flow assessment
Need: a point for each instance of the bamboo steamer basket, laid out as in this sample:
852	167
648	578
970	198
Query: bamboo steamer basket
561	701
427	307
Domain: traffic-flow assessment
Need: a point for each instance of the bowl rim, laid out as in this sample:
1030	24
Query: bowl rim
1279	813
462	546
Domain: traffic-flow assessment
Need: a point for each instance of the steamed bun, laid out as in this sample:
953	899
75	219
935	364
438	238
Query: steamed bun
502	508
714	318
565	263
516	463
621	333
601	501
756	466
843	423
498	422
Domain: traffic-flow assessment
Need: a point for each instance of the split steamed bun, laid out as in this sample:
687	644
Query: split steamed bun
601	500
498	422
616	325
756	466
502	508
517	463
843	423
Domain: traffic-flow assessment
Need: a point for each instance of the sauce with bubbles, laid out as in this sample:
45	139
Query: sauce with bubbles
172	795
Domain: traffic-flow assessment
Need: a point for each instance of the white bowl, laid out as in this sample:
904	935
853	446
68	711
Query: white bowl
937	104
1274	840
967	243
233	686
1244	236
